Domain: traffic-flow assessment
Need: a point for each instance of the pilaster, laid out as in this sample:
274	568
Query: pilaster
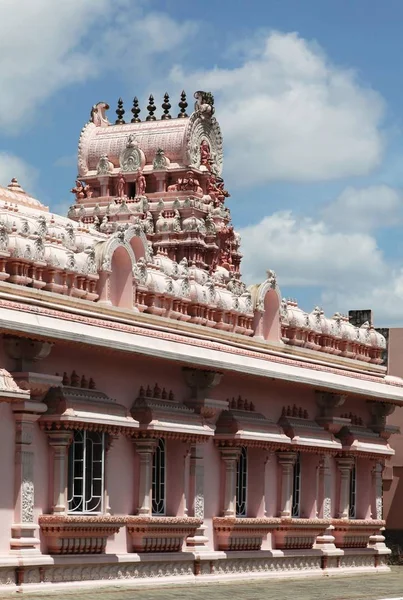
145	449
230	457
286	460
60	442
344	464
24	532
199	541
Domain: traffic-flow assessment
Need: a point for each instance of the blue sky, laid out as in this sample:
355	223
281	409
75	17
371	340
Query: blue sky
308	95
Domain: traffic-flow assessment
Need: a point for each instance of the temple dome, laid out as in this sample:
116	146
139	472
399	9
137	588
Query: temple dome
14	194
104	147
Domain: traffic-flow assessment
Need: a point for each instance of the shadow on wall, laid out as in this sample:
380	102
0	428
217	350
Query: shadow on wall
394	522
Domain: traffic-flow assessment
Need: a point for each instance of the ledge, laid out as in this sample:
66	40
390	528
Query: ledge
298	534
355	533
242	533
161	534
74	534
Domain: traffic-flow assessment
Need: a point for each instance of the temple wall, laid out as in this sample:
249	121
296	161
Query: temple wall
120	376
7	437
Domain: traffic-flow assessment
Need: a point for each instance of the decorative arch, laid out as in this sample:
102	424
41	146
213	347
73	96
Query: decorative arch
116	262
121	279
199	129
136	238
266	299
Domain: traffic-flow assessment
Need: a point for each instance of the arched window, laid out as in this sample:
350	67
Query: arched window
352	507
86	472
158	483
241	484
296	488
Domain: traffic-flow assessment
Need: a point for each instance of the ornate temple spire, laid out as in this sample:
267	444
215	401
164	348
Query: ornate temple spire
183	106
120	111
166	106
136	111
151	109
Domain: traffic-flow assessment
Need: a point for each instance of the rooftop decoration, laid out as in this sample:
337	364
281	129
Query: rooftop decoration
150	231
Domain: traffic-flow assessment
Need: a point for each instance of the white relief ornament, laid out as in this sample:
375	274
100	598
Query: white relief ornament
140	271
3	237
132	158
25	230
327	508
185	288
160	160
104	166
42	226
91	265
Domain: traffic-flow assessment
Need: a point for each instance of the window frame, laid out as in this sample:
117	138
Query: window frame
352	492
296	489
241	488
160	451
85	473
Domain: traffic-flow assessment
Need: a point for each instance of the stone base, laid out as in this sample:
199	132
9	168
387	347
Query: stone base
137	570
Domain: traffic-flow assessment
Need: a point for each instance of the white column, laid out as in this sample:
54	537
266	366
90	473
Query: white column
286	461
267	487
145	449
377	491
196	497
324	488
24	533
344	465
60	442
186	483
230	457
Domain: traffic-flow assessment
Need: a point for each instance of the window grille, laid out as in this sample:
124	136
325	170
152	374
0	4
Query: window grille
296	488
241	484
158	483
352	507
86	472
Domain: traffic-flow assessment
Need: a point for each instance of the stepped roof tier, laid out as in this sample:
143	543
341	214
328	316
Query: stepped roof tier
150	232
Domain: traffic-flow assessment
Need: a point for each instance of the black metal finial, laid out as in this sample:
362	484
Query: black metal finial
136	111
166	106
120	111
183	106
151	109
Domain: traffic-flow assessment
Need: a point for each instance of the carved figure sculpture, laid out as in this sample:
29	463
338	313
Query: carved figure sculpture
204	103
140	183
121	186
205	153
81	190
187	184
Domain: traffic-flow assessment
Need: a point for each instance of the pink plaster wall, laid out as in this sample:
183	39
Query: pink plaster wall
7	437
393	489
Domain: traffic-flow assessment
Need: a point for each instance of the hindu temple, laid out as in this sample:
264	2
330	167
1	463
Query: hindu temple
162	421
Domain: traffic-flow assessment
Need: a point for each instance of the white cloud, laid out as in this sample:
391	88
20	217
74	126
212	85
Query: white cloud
305	252
13	166
348	267
365	209
289	114
51	48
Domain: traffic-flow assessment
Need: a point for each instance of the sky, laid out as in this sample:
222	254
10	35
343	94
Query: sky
308	96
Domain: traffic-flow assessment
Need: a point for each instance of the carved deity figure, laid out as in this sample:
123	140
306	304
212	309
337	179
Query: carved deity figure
140	183
187	184
204	103
121	186
131	141
205	153
81	190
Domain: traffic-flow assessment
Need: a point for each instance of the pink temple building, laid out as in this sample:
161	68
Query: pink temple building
160	420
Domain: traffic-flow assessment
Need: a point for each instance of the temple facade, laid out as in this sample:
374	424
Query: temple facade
161	421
